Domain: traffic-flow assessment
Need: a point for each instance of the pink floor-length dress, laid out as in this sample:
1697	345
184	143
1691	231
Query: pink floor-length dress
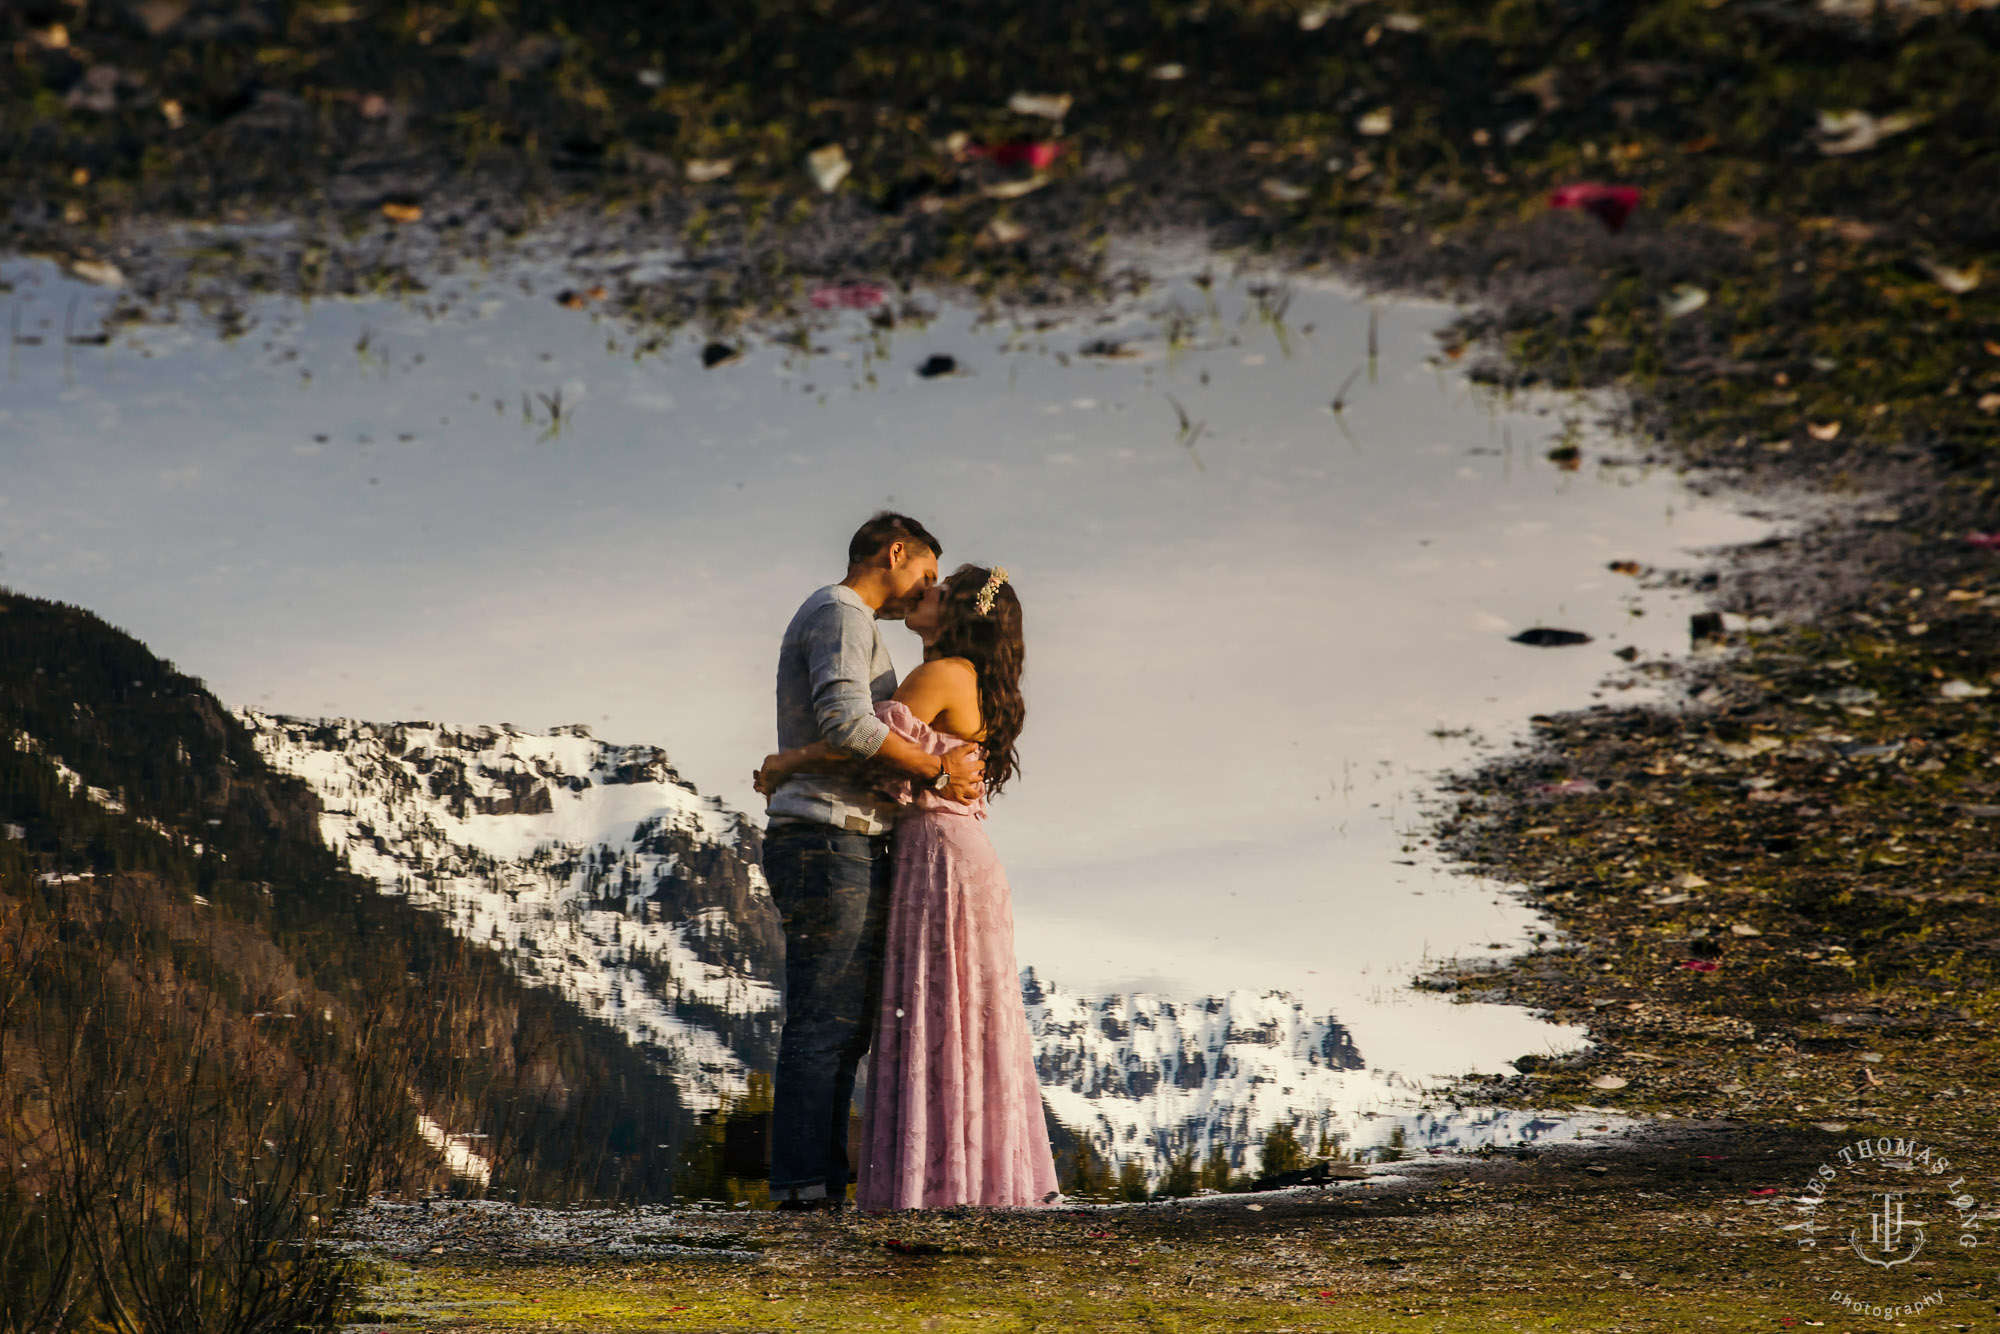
954	1110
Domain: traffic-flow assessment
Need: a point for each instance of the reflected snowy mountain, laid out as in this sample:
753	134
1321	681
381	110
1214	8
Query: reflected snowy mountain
597	871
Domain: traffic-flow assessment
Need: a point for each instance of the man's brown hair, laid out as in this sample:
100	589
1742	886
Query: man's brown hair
873	537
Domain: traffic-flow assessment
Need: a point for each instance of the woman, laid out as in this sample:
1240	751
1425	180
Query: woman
954	1112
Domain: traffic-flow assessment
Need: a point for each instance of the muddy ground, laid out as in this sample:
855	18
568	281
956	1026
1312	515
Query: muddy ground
1774	902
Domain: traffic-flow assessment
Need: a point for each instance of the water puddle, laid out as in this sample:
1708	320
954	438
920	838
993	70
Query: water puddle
1260	625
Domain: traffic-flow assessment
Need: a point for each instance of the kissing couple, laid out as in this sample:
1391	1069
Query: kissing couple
899	925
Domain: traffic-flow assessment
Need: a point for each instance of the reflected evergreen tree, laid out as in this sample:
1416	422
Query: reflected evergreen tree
1282	1151
1183	1178
1132	1187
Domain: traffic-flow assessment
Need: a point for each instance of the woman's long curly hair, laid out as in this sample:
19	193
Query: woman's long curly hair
992	644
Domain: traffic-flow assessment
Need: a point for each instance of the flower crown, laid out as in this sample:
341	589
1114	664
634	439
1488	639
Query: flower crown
993	581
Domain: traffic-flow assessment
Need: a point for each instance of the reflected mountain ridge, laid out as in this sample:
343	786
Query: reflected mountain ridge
600	874
593	869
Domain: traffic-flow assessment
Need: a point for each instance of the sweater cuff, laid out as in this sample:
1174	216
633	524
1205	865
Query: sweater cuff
863	737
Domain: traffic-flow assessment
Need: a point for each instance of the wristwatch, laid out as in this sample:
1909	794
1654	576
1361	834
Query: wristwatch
943	779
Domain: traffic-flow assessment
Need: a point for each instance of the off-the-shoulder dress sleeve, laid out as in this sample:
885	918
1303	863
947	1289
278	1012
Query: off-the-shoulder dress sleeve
932	742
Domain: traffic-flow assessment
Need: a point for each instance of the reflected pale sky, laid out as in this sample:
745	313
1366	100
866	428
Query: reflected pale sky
1238	653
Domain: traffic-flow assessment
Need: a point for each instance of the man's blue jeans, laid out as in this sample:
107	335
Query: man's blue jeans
832	888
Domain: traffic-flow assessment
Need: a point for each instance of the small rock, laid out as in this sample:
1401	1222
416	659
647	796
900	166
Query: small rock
720	354
1609	1082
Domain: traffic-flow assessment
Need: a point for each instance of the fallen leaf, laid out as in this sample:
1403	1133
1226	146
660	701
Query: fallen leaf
1700	965
1631	567
1763	1190
1004	231
1685	299
1823	430
1542	86
1543	636
1014	189
847	296
1956	281
1040	154
1167	73
395	212
829	167
1285	192
1609	204
1843	132
1989	402
102	272
1963	690
1985	541
1050	106
1609	1082
702	170
1377	122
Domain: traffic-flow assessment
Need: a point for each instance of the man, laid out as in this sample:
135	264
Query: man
826	850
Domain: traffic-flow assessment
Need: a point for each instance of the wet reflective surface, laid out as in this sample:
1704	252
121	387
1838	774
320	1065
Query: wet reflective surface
1258	626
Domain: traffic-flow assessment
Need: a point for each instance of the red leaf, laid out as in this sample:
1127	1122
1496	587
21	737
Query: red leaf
1763	1190
847	296
1985	541
1039	154
1700	965
1609	204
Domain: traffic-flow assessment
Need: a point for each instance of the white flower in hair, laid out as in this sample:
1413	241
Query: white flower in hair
993	581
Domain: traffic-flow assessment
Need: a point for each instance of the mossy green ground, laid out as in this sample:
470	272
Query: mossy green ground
1506	1251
